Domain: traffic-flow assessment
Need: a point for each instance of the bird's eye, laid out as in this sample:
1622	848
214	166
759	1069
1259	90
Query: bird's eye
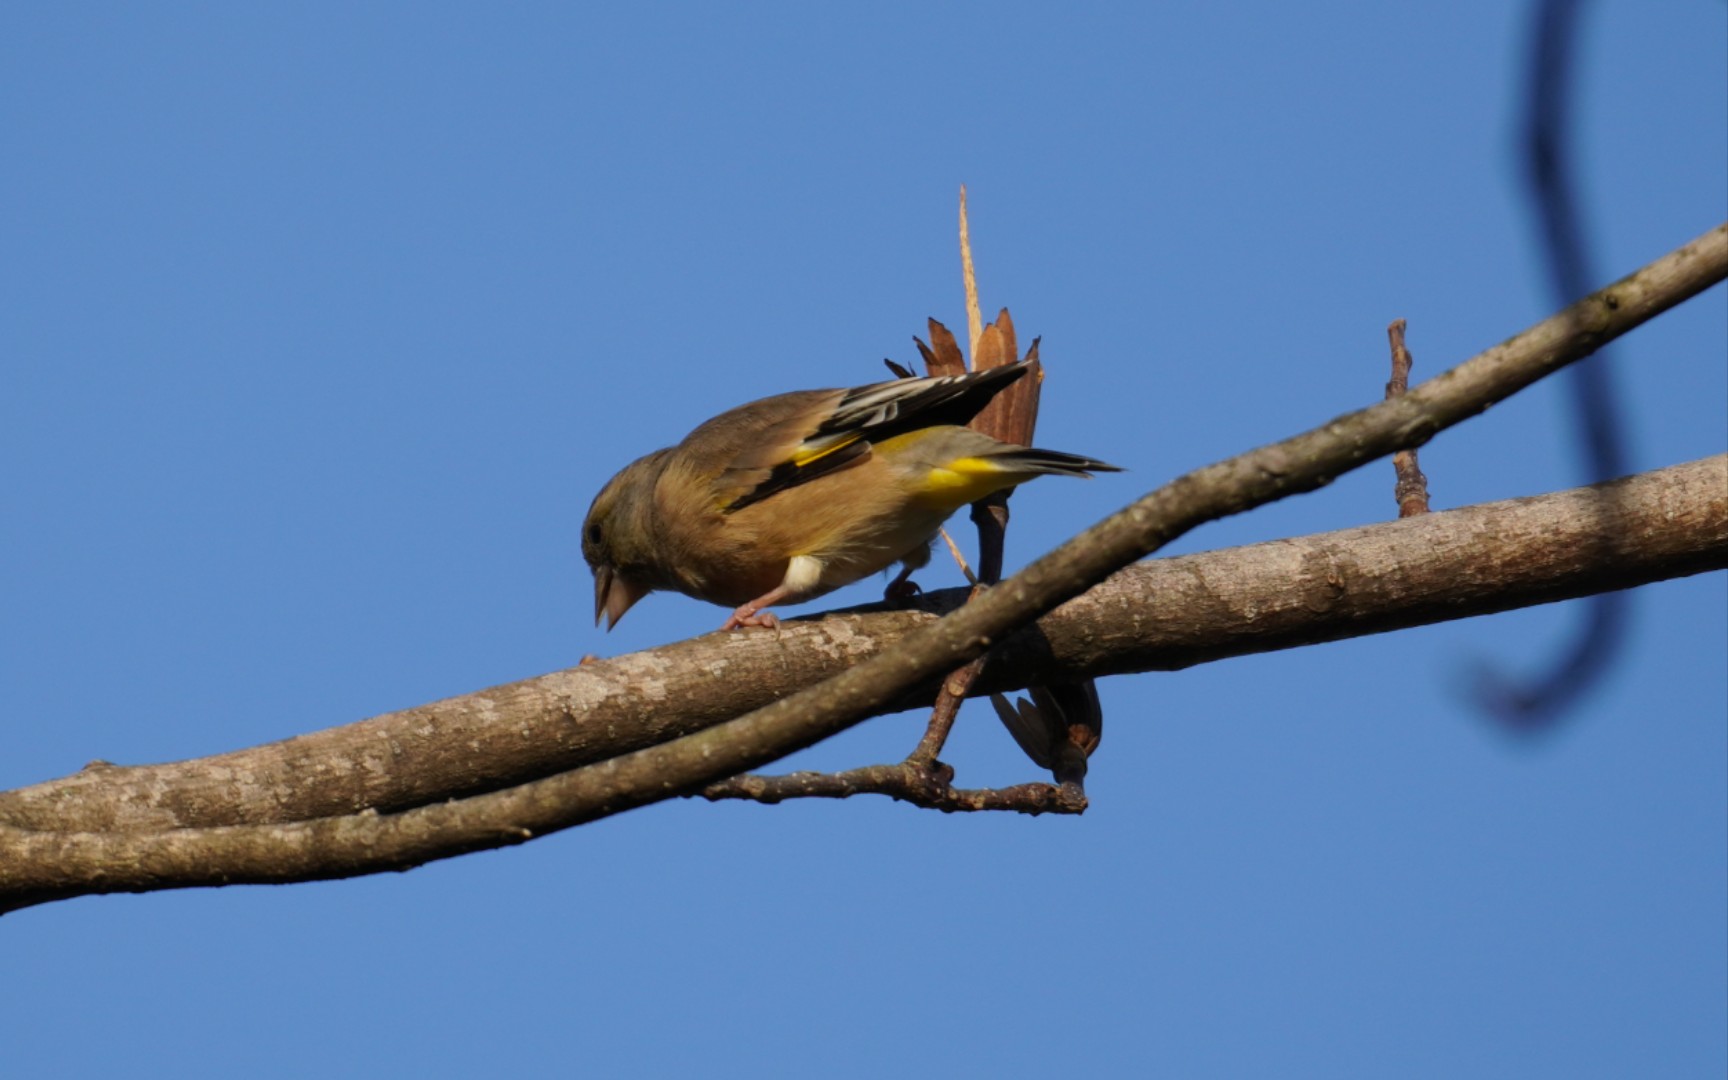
593	532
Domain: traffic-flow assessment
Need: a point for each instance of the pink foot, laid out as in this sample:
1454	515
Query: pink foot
749	615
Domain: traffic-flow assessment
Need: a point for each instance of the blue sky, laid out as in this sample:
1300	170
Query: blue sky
323	324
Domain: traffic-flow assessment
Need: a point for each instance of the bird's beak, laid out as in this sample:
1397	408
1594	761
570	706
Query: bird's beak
613	595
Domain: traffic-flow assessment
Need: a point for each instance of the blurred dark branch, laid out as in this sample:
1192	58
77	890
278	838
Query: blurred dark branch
1536	704
1550	173
51	857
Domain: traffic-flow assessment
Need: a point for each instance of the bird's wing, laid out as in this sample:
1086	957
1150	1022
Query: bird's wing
781	442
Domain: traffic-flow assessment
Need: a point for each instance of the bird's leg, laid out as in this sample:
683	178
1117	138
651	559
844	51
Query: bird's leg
902	587
751	614
803	573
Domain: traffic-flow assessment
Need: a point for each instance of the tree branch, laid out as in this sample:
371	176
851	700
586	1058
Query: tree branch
906	781
40	865
1411	490
1161	615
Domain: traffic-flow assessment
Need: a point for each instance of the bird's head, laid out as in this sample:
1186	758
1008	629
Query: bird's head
618	540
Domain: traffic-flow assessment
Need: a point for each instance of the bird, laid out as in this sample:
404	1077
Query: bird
790	497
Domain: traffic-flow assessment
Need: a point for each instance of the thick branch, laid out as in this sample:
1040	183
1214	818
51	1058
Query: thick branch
1169	613
35	866
1164	614
538	727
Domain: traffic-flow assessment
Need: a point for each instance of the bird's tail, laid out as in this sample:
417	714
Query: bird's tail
1032	462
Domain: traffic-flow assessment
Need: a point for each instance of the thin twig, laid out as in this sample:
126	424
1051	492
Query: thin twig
947	709
929	787
1411	490
959	556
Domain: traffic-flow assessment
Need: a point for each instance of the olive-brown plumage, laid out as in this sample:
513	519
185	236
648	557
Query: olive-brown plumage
790	497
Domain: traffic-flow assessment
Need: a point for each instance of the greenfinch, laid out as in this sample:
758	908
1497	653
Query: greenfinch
787	498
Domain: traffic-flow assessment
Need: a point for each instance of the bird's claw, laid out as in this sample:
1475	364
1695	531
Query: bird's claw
903	589
750	616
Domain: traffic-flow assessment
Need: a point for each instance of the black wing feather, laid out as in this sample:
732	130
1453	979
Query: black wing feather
880	411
